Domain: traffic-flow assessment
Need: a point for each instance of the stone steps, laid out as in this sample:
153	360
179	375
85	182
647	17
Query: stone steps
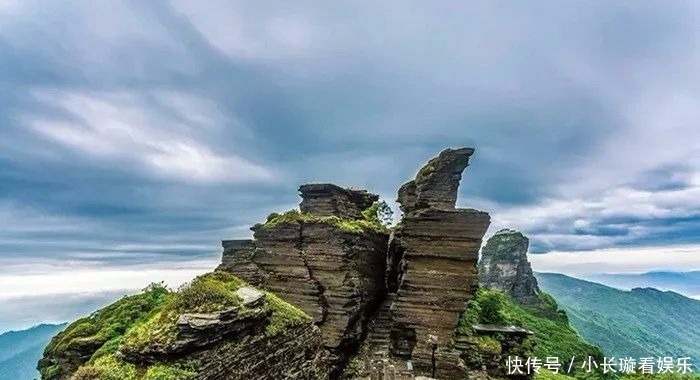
380	328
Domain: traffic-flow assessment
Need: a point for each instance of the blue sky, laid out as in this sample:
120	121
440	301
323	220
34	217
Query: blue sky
136	135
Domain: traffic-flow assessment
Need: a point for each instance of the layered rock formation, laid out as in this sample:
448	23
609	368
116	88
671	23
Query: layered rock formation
433	264
331	200
214	328
327	260
388	306
504	266
487	348
235	344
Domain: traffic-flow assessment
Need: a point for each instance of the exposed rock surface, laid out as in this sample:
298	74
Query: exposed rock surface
198	331
335	274
232	344
434	256
338	277
388	306
253	336
486	360
504	266
436	184
324	199
296	355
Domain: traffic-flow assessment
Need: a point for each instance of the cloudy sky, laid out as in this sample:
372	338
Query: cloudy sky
135	135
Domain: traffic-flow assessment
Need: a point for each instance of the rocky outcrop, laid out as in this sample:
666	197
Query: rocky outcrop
77	344
331	200
338	276
214	328
326	260
296	355
234	344
436	184
388	306
433	257
487	349
504	266
198	331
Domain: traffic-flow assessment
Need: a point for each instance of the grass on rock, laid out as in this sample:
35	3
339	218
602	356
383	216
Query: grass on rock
149	319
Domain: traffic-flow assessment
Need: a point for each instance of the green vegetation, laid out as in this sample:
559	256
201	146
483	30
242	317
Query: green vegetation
544	374
102	330
379	213
427	170
552	336
284	316
662	376
547	375
205	294
110	322
106	368
208	293
503	245
637	323
369	222
164	372
112	368
289	217
138	322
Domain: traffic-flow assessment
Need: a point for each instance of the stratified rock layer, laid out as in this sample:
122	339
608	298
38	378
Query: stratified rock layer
433	256
233	345
325	199
297	355
504	266
436	184
334	274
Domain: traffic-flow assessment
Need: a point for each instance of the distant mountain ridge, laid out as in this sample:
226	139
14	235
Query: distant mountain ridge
642	322
686	283
21	350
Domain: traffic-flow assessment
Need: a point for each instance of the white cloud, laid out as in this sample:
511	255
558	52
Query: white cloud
280	32
576	223
53	278
680	258
118	126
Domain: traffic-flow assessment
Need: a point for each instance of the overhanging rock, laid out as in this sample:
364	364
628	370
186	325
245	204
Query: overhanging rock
433	260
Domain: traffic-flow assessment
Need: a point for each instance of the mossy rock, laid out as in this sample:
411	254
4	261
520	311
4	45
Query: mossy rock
552	334
369	222
148	319
208	293
100	333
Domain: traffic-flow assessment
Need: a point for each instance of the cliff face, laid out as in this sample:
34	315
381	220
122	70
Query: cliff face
329	260
215	328
504	266
356	300
434	251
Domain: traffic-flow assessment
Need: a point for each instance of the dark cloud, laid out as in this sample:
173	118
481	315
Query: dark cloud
169	125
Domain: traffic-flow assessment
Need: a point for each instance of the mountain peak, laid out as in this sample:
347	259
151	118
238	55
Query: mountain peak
504	266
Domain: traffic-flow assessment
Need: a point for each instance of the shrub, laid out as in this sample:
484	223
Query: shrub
103	329
553	335
106	368
169	372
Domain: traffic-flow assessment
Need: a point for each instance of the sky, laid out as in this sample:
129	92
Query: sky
134	136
